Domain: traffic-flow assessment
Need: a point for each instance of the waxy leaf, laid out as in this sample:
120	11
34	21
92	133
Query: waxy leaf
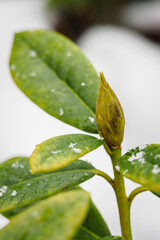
57	217
112	238
142	165
85	234
95	222
24	191
16	170
53	72
57	152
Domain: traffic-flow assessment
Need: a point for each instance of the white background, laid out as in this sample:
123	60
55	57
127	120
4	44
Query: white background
131	65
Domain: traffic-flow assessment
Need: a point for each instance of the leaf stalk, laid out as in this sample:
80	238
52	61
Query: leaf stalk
135	192
105	176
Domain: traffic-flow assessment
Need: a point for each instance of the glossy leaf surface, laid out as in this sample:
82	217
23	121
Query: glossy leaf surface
94	221
24	191
57	152
14	171
53	72
57	217
142	165
111	238
84	234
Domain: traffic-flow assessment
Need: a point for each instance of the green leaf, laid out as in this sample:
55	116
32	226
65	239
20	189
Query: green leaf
57	152
9	214
25	191
142	165
85	234
111	238
16	170
95	222
53	72
57	217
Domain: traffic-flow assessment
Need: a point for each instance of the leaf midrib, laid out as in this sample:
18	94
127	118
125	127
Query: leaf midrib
49	174
64	82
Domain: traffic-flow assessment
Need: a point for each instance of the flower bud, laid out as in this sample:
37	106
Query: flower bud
109	115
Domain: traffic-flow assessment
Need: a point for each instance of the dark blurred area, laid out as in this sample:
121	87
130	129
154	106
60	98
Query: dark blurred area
75	16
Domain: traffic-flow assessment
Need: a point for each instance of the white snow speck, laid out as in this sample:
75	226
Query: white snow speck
33	53
14	193
53	90
24	76
32	74
55	152
92	120
156	169
142	147
71	145
117	168
61	112
125	171
83	84
1	194
3	189
17	165
157	156
76	150
141	160
13	67
138	156
69	54
132	158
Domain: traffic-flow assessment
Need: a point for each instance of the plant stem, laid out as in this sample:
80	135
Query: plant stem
122	200
136	192
104	175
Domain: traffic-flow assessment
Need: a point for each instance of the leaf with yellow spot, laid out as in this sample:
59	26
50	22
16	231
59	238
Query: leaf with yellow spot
142	165
58	152
57	217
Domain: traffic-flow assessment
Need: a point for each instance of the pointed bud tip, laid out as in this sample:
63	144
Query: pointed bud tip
109	113
103	80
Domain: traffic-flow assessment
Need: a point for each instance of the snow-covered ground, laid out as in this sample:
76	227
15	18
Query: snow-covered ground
131	65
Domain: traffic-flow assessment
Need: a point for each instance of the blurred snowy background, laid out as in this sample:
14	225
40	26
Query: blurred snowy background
128	52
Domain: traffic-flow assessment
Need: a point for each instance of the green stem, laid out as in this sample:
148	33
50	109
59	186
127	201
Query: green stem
122	200
136	192
104	175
